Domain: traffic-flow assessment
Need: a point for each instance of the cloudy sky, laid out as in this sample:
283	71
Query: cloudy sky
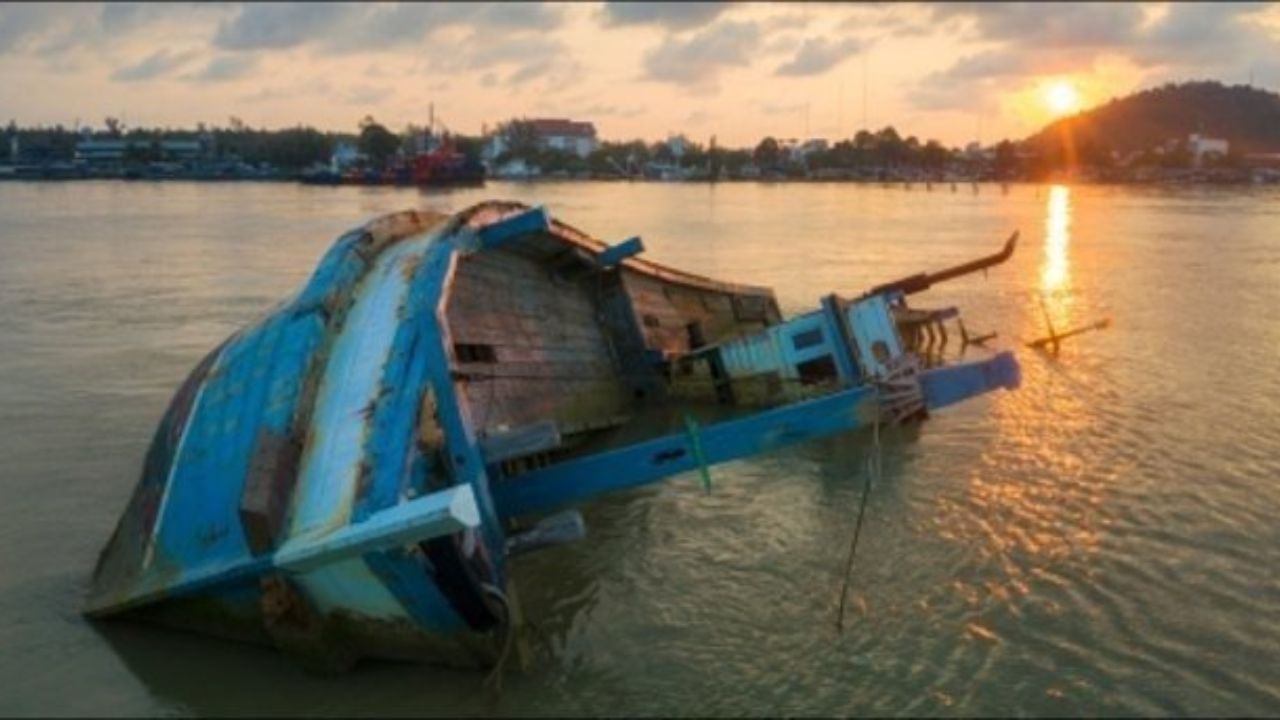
737	71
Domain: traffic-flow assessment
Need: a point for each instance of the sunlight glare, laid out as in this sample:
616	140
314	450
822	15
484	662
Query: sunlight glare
1056	270
1062	97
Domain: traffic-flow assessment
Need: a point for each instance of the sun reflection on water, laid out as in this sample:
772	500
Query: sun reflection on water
1054	298
1032	505
1056	271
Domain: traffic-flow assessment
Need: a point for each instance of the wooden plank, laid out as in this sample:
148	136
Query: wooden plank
273	471
513	227
520	441
440	513
615	254
569	372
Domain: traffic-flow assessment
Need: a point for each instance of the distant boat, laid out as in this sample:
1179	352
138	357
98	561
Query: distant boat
321	176
353	474
445	165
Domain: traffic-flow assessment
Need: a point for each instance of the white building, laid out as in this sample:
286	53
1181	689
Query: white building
343	155
814	145
578	138
114	150
1202	147
575	137
797	151
516	169
677	145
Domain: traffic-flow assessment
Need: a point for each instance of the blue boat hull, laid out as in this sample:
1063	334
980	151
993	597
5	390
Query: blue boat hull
340	479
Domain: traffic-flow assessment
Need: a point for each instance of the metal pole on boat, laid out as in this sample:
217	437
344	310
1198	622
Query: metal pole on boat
1054	339
873	469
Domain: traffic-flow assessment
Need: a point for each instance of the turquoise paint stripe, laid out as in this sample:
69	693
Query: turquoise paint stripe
838	332
339	270
407	577
615	254
951	384
513	227
440	513
390	449
334	457
464	454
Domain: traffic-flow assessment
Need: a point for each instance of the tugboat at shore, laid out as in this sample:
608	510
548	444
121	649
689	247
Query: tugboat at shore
441	166
446	166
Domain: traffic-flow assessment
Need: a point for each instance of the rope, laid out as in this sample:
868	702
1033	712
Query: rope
691	427
873	469
494	679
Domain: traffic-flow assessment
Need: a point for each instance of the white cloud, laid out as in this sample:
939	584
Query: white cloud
818	55
281	25
359	27
156	65
227	67
698	60
1032	40
671	15
647	68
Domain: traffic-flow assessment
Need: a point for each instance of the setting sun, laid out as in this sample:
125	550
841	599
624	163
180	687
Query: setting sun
1062	97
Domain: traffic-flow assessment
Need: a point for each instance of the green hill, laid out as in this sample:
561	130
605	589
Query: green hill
1247	117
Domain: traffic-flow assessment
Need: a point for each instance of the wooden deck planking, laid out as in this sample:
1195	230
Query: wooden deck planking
551	361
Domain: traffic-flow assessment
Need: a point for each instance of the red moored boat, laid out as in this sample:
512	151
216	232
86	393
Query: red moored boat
445	165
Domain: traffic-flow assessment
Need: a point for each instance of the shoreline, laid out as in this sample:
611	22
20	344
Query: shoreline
926	185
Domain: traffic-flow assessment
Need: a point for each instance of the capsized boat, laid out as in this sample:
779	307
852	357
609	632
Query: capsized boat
353	474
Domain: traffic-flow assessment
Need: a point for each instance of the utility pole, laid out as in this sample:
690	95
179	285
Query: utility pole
840	111
865	125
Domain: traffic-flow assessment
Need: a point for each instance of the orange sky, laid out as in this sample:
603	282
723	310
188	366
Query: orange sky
738	71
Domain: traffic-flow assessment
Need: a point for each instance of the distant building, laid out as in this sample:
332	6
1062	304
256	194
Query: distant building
813	145
516	169
344	154
575	137
788	148
181	149
95	151
113	151
677	145
1204	147
578	138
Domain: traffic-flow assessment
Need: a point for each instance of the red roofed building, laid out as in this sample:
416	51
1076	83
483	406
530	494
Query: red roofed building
557	133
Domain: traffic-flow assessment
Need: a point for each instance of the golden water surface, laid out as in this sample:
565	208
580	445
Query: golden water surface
1105	540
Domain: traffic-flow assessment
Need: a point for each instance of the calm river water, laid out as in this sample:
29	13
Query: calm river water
1105	540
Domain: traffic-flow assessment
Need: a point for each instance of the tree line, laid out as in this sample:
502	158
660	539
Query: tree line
1084	141
294	147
